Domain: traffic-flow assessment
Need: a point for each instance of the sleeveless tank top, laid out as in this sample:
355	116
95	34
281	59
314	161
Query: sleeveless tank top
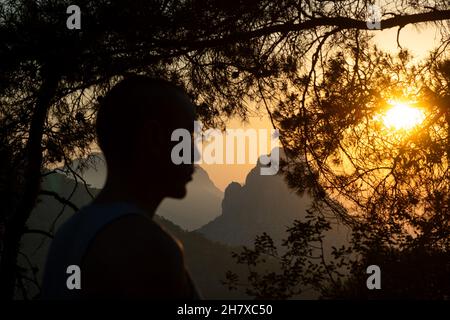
71	243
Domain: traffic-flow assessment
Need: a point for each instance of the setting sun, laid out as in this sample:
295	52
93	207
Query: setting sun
402	116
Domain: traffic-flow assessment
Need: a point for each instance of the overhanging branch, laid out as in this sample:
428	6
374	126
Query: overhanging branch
339	22
60	199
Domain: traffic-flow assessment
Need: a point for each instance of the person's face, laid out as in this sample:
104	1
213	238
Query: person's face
171	178
180	174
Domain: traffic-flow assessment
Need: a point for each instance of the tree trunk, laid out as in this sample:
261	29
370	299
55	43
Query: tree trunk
31	183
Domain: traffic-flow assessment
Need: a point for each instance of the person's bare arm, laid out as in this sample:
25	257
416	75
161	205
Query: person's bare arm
133	258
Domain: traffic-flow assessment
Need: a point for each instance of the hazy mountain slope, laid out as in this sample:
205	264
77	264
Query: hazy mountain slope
262	204
201	205
207	261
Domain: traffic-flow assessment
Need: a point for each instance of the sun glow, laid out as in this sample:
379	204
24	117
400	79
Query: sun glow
402	116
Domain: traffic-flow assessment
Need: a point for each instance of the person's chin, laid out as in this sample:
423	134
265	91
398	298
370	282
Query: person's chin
178	193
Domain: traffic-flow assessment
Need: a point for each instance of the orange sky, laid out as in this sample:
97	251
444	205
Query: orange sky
418	39
223	174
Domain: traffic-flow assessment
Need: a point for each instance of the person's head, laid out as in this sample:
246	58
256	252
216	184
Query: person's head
135	121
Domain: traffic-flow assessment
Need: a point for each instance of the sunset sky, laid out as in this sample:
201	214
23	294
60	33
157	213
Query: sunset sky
418	39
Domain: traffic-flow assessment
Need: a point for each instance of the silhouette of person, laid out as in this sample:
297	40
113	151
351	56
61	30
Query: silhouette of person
121	251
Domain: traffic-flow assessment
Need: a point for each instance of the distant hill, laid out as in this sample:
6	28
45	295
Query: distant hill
201	205
207	260
262	204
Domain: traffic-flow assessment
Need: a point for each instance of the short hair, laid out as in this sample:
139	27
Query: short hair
124	108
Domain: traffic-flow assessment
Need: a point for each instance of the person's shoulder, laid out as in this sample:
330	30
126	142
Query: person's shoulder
142	259
135	233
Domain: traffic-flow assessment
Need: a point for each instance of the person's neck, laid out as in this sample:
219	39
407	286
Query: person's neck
120	190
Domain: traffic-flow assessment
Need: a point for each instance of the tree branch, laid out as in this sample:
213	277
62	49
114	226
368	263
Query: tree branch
60	199
45	233
339	22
